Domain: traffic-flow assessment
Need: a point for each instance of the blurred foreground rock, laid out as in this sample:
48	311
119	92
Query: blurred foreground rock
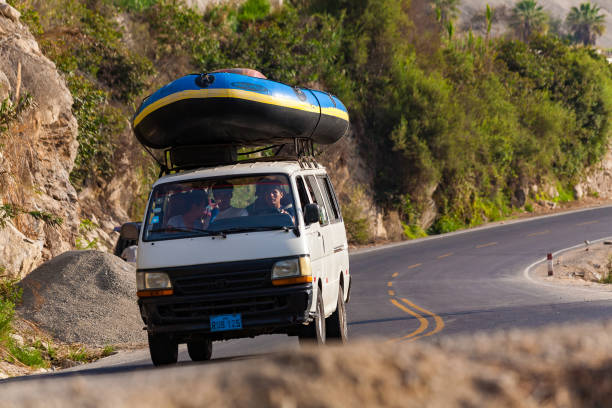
561	367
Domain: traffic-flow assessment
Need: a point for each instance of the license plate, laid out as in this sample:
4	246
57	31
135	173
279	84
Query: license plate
225	322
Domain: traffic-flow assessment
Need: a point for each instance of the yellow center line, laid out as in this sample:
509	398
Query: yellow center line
587	223
445	255
439	321
486	245
389	284
535	234
391	293
395	275
423	321
414	266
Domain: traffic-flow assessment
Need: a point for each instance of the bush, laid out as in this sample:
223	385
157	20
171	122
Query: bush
413	231
98	122
10	112
357	226
253	10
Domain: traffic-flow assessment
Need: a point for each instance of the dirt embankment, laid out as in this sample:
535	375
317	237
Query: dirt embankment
560	367
589	265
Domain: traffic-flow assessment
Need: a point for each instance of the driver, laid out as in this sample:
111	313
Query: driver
273	194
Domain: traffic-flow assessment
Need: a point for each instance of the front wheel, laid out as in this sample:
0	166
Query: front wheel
200	350
337	327
314	333
163	350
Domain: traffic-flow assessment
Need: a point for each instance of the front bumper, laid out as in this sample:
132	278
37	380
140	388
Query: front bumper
264	311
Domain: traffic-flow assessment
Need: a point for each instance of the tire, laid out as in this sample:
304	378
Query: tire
336	324
163	350
314	333
200	350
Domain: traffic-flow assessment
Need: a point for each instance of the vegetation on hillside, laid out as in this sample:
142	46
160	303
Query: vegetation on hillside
476	121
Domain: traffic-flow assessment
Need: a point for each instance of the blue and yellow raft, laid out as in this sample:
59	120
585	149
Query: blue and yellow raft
239	107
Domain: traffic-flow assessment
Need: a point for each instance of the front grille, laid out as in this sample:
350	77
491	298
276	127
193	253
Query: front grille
203	309
216	282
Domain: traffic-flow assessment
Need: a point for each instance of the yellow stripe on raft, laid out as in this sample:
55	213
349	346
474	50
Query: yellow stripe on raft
335	112
236	94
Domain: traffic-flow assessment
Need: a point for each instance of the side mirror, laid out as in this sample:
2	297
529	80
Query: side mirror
311	214
130	231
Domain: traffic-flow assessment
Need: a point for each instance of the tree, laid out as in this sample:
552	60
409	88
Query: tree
446	10
528	18
585	23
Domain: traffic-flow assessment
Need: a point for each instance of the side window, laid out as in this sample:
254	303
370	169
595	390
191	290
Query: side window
326	199
302	191
310	182
315	193
317	198
329	192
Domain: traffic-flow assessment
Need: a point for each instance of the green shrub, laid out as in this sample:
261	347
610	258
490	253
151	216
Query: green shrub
356	225
108	350
82	243
10	295
134	5
10	211
10	112
413	231
98	122
253	10
446	224
608	277
29	356
566	194
356	228
79	354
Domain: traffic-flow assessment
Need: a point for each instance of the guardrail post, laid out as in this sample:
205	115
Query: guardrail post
550	264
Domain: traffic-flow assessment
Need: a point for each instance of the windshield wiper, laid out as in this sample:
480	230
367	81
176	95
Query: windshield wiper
193	230
251	229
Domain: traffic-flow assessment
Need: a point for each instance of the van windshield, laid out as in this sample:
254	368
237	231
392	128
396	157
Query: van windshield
216	206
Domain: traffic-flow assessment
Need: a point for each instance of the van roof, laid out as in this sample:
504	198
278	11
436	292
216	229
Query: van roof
286	167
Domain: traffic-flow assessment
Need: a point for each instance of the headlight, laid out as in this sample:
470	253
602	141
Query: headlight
292	271
152	280
286	269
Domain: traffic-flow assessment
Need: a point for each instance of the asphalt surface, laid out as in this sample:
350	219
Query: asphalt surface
441	286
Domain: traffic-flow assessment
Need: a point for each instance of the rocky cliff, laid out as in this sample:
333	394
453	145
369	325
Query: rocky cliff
38	205
41	213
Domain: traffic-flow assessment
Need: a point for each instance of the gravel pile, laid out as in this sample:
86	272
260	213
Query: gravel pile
84	297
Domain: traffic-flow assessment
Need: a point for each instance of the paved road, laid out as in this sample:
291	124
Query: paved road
457	283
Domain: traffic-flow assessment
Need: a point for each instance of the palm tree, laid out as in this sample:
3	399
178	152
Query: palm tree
528	18
586	23
446	10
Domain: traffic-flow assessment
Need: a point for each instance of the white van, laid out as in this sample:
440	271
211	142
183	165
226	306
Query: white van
242	250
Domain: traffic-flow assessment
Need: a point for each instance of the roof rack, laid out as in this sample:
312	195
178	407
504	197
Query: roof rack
190	157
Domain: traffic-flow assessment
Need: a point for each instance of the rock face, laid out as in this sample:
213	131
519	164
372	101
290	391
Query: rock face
598	180
352	180
36	154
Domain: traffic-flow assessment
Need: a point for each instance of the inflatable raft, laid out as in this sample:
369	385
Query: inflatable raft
228	107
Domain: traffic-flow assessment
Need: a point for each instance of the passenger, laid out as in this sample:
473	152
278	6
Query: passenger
223	191
193	217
